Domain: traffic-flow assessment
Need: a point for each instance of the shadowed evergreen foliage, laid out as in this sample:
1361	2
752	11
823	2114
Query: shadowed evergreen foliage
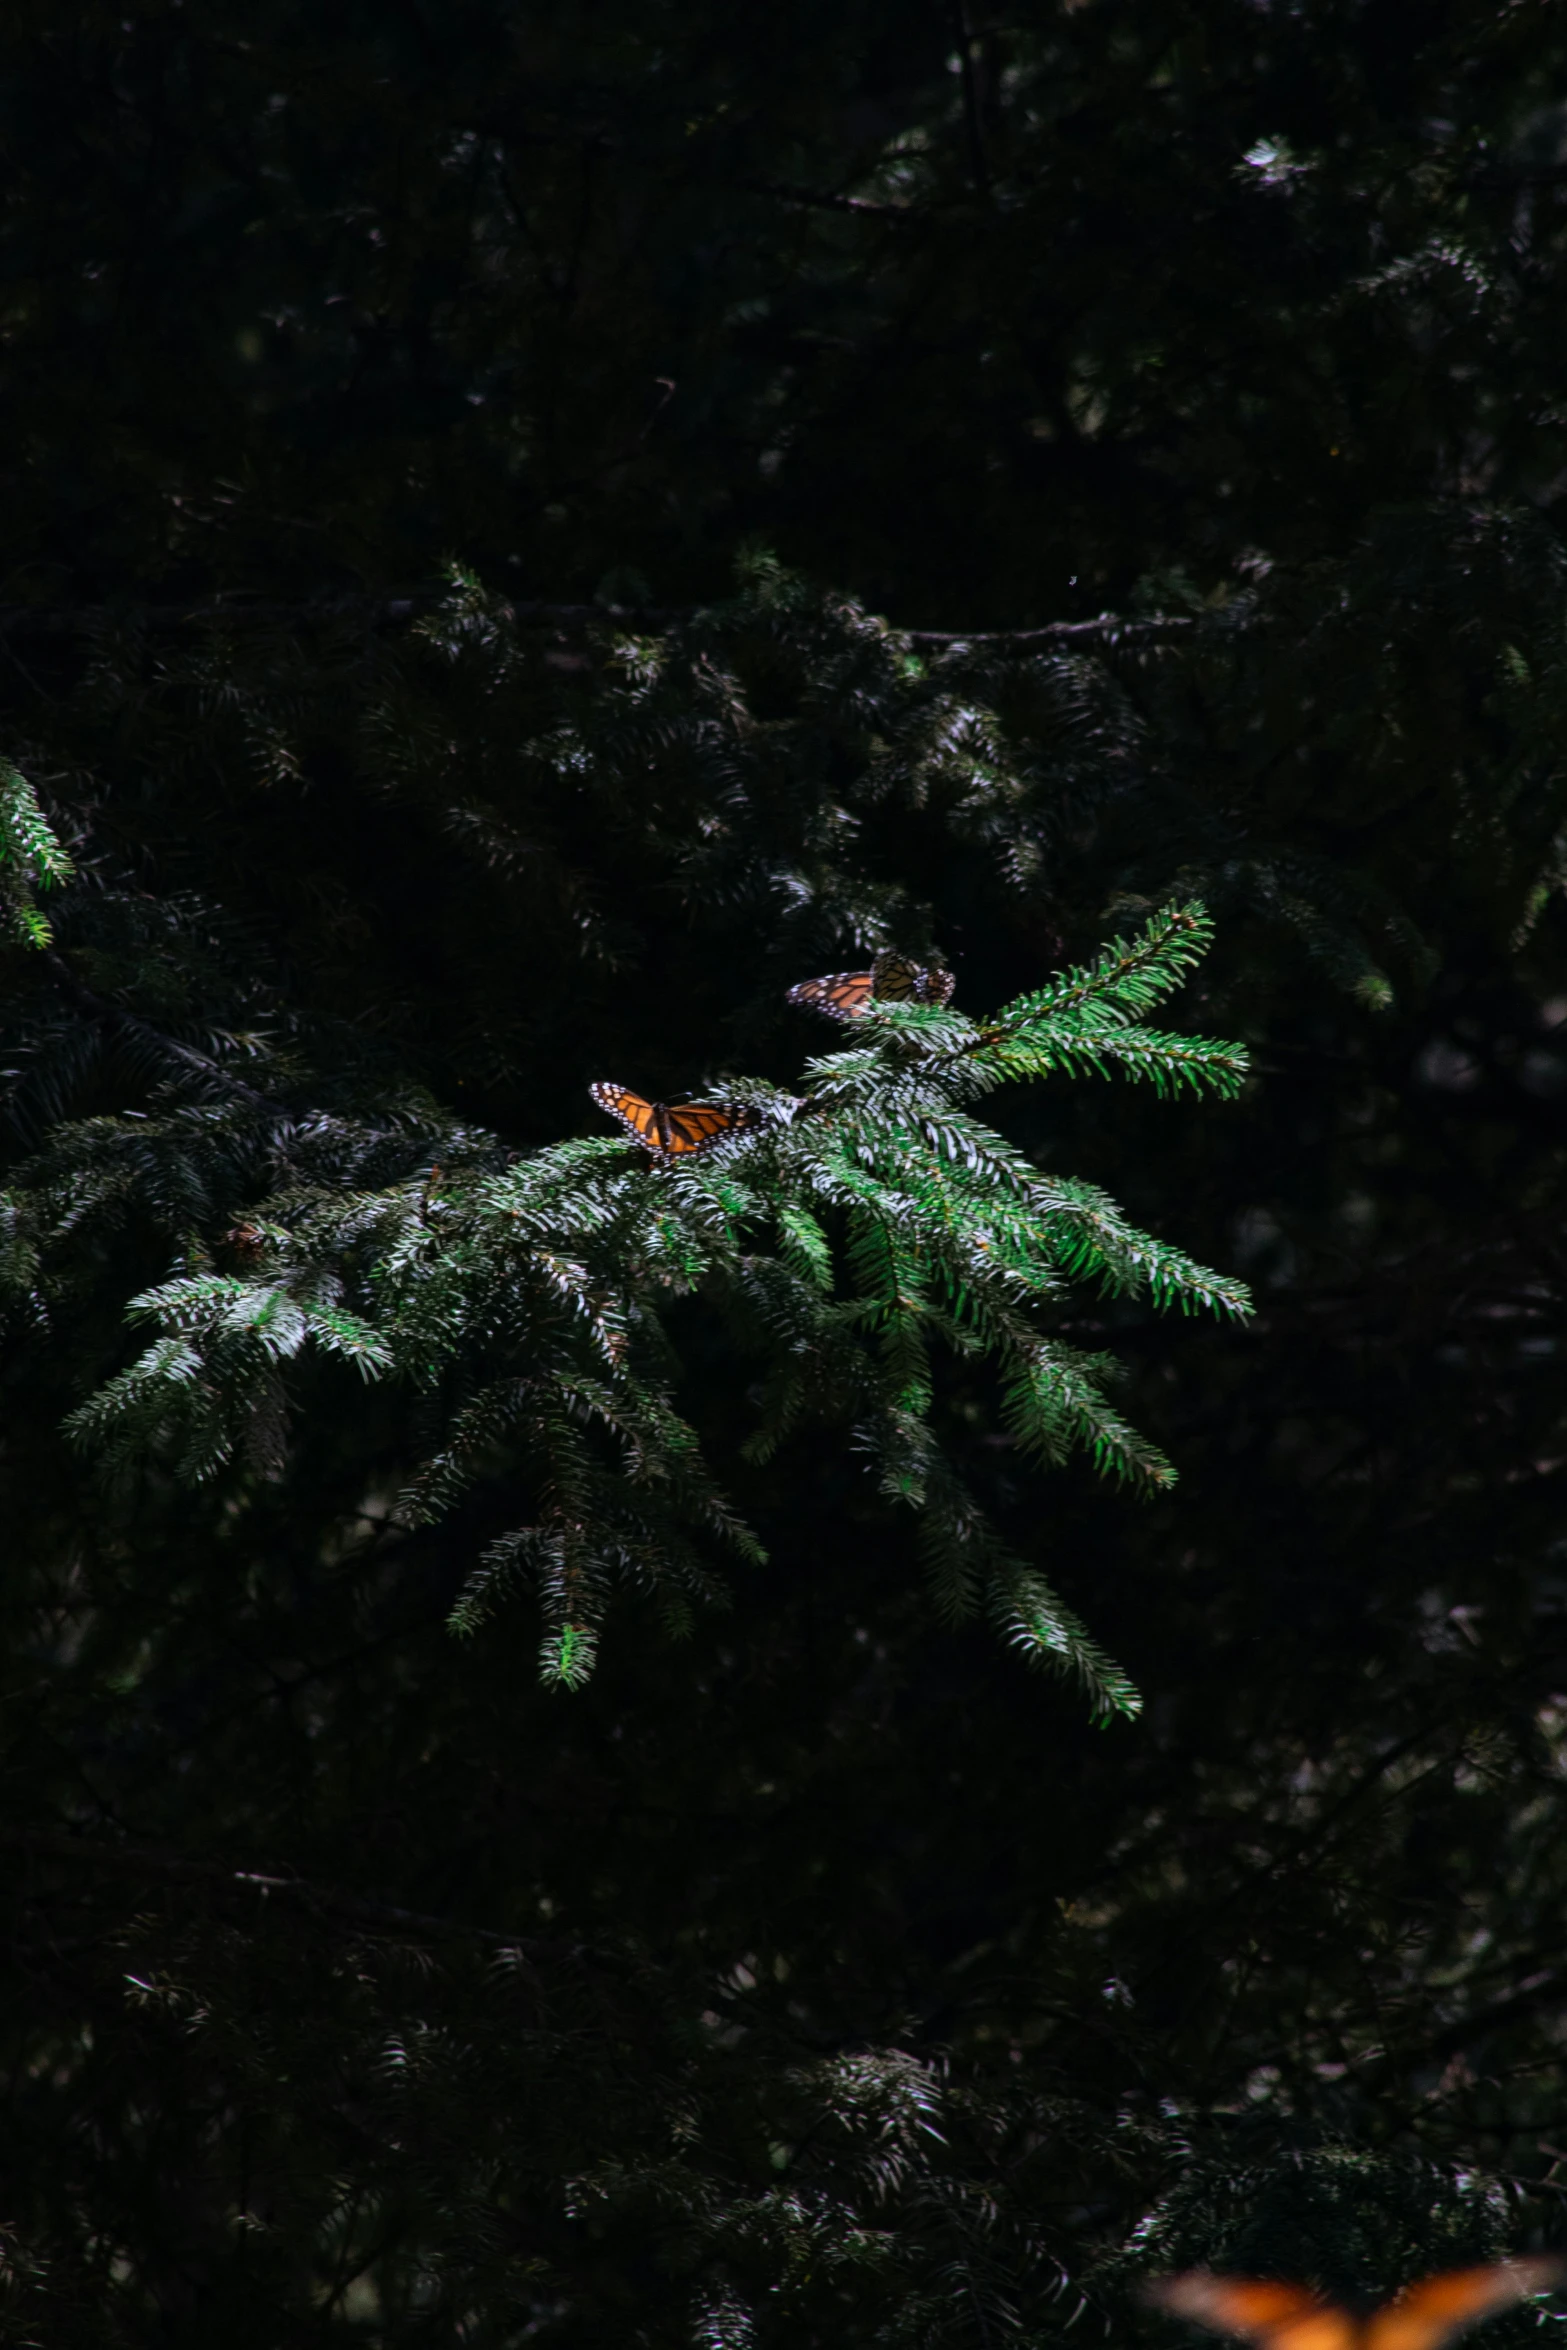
528	535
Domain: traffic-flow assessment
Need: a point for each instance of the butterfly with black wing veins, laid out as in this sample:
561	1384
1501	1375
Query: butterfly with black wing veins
679	1130
891	979
1293	2317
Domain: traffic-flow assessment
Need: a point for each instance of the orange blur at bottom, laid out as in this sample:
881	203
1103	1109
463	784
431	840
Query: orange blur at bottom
1293	2317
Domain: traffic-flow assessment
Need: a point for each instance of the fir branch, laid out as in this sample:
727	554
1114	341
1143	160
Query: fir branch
32	859
529	1306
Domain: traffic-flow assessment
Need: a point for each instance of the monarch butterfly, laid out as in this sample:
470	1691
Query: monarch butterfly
1293	2317
681	1131
891	979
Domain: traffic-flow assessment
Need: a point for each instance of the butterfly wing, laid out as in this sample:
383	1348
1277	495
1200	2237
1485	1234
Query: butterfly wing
678	1133
892	979
895	979
842	995
1256	2309
1435	2309
935	985
693	1127
640	1118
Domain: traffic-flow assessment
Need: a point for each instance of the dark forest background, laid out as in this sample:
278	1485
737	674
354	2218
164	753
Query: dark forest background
527	531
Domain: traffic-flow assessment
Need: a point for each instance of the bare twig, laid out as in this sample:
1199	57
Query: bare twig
1105	628
64	620
148	1863
826	200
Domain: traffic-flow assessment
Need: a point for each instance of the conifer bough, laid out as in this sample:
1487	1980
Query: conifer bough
526	1301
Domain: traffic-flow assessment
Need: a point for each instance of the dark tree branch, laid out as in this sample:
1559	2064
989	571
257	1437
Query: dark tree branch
199	1064
824	200
147	1863
973	129
1106	628
34	620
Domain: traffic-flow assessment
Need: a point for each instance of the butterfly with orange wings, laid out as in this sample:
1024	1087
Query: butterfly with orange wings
1293	2317
680	1130
891	979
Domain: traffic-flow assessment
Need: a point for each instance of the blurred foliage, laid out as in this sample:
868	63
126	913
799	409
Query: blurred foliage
527	537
